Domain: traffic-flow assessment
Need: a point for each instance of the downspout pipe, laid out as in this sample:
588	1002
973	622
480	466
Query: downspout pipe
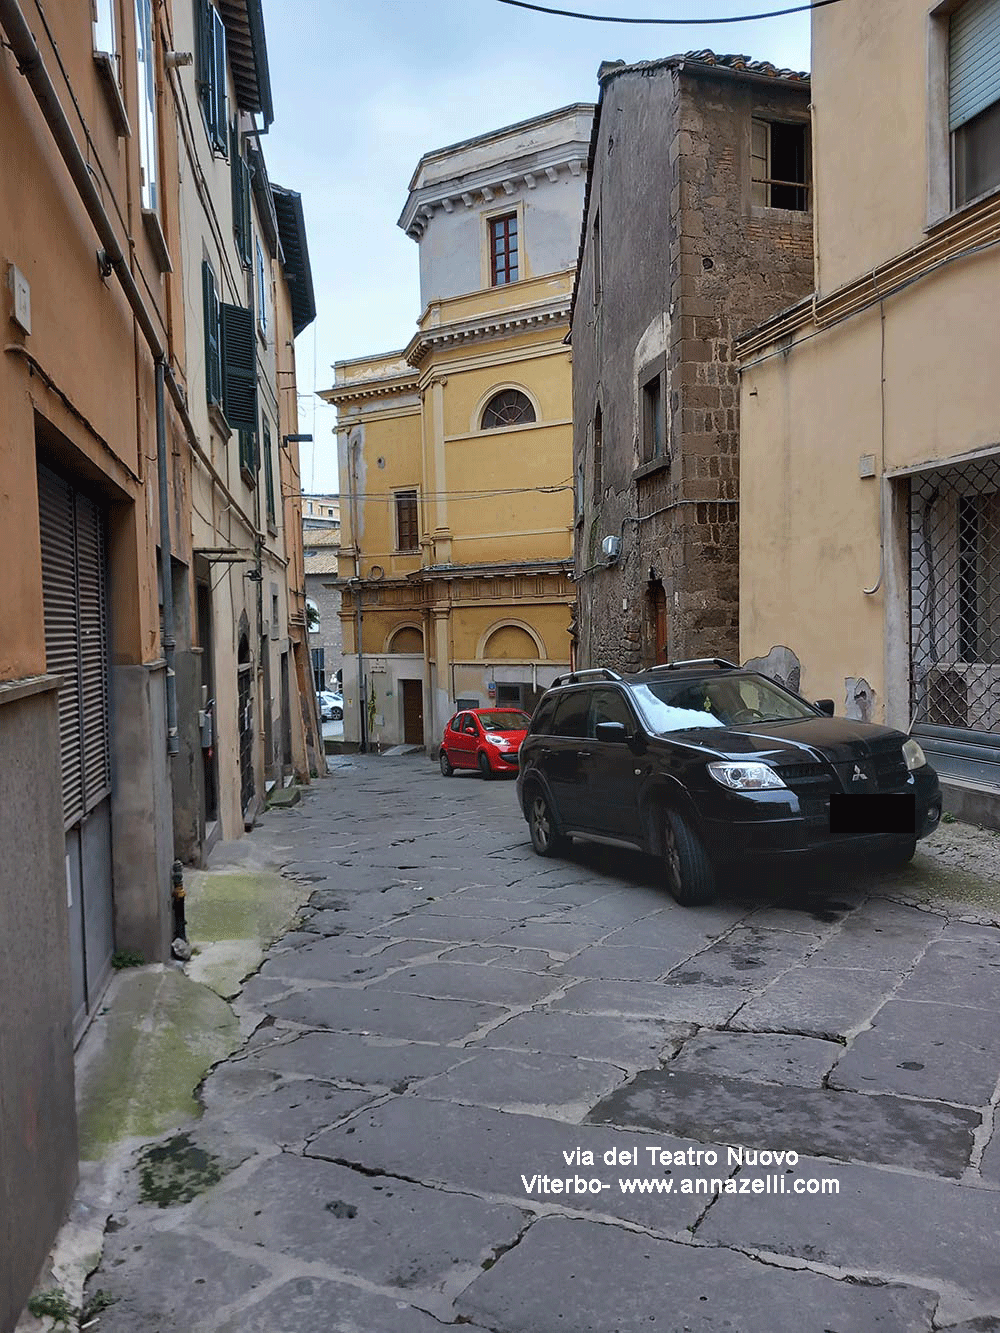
166	564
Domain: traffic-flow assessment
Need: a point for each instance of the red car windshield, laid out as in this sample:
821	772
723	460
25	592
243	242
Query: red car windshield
501	721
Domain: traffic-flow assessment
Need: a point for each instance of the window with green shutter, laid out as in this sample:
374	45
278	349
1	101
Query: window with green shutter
240	178
211	72
268	475
239	366
213	362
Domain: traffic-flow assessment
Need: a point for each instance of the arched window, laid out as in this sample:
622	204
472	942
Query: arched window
509	407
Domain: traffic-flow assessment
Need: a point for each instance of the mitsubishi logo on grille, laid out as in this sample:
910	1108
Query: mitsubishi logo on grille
859	775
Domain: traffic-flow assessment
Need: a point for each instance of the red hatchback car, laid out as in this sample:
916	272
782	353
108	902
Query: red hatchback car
485	738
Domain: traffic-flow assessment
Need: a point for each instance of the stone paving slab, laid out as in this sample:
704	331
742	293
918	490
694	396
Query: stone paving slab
889	938
384	1013
466	981
471	904
942	1051
989	1167
525	1081
448	929
178	1281
817	1001
577	1277
622	1041
563	936
674	1001
502	955
327	961
759	1057
318	1212
882	1223
350	1058
957	971
678	928
710	1109
746	957
622	962
316	1305
487	1152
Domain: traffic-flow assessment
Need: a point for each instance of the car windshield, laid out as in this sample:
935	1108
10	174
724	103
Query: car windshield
504	721
715	701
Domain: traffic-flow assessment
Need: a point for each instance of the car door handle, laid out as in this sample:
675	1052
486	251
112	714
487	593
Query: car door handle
584	754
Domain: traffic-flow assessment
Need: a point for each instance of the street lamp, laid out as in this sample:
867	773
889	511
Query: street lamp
286	440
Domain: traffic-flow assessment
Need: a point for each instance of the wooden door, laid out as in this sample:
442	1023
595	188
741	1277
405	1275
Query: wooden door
413	712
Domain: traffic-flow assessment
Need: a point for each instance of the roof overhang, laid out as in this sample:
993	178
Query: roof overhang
295	251
247	49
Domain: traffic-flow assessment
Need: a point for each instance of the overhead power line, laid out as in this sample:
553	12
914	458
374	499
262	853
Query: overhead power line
686	23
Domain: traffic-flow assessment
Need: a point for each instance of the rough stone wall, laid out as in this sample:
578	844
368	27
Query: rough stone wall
687	264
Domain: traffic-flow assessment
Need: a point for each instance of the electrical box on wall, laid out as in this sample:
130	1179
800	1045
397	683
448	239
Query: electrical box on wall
21	292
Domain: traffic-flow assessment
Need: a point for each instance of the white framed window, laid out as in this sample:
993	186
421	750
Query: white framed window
105	39
145	63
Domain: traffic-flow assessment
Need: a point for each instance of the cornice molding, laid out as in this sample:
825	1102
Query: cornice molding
344	393
492	184
494	324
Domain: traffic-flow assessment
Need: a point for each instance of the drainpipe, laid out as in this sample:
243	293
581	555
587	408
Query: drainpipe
354	446
166	564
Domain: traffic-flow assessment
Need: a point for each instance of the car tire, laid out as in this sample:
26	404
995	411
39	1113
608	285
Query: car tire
690	874
545	838
446	765
895	858
485	767
337	715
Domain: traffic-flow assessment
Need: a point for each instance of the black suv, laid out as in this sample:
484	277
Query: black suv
702	764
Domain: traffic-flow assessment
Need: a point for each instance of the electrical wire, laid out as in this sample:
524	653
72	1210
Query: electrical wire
371	497
686	23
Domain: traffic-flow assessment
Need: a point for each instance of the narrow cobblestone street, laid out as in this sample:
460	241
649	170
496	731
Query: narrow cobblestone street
455	1025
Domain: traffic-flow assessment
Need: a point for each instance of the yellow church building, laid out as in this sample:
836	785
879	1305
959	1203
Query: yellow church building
455	453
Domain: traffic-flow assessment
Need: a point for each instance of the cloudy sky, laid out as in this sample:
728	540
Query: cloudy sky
363	88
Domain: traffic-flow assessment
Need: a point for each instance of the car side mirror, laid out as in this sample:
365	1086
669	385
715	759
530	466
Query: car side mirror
612	732
825	706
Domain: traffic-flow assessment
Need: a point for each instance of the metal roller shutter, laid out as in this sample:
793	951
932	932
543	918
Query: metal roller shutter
974	60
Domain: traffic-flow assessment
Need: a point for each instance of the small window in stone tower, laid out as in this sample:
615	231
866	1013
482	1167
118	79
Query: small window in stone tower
779	165
509	407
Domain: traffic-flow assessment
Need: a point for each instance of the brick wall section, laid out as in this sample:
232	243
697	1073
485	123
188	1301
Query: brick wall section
688	264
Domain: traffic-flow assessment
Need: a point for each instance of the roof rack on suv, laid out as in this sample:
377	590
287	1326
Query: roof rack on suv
697	661
572	677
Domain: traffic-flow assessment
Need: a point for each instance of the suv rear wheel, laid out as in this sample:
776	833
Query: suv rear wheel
544	837
690	875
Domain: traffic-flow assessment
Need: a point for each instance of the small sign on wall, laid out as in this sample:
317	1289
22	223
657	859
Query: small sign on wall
491	689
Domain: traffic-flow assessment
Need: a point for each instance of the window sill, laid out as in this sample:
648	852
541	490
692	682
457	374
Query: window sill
154	233
272	528
249	478
107	67
960	211
218	419
651	468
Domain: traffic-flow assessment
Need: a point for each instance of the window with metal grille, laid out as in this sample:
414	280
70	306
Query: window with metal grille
779	164
654	418
955	596
974	98
407	534
598	453
503	250
509	407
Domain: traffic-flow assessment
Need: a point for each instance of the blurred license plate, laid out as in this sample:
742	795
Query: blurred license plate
872	814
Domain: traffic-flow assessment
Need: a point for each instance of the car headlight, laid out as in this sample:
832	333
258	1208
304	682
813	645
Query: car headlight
745	777
497	740
914	755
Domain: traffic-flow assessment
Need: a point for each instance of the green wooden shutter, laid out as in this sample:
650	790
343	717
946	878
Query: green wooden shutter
236	181
205	55
247	225
268	473
239	367
213	368
219	113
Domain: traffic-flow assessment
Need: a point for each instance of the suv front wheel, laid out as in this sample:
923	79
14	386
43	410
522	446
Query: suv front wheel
690	876
544	837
